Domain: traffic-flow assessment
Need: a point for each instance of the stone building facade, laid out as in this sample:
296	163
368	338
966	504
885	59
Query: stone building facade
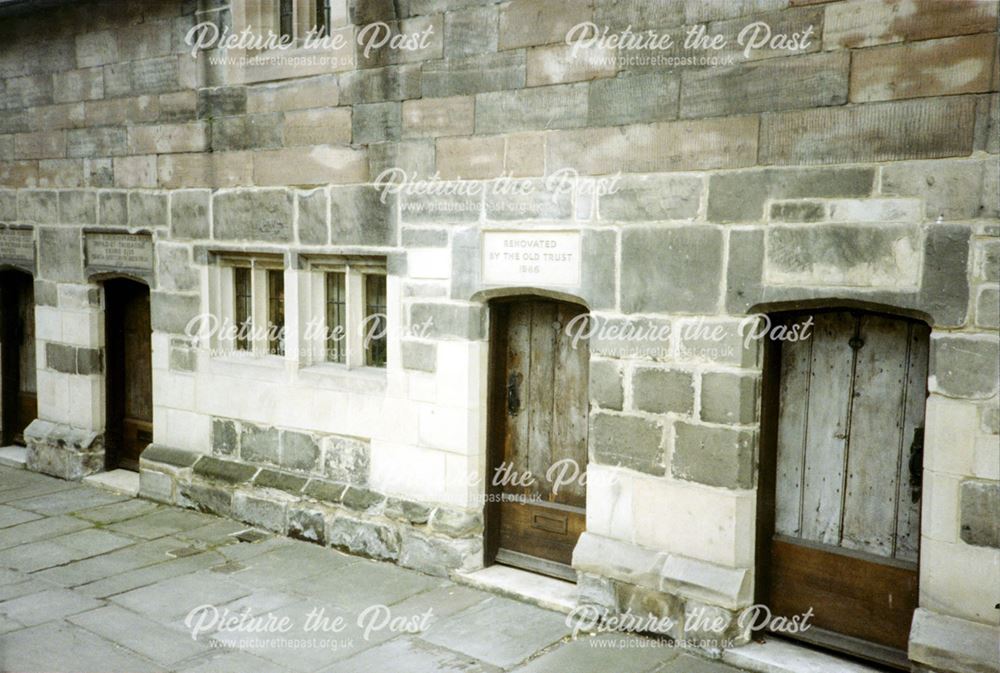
854	166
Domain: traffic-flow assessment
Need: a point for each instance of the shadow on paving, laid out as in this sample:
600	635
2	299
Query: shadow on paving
94	581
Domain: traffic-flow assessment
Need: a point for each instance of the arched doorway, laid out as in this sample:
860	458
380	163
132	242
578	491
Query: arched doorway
128	334
538	418
17	355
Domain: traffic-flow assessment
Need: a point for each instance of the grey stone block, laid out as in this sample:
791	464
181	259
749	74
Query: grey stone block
254	215
652	198
376	122
313	209
189	216
46	293
470	31
537	202
728	398
407	511
689	263
419	356
740	196
228	471
965	367
448	320
424	238
838	255
660	391
221	102
633	99
940	642
599	284
96	142
989	260
175	269
627	441
148	209
416	157
60	358
262	507
436	555
38	207
980	513
547	107
606	384
225	437
307	523
247	132
182	357
63	451
368	538
951	189
768	84
208	497
988	308
798	211
944	286
113	208
456	523
714	456
8	205
360	499
282	481
299	451
156	486
347	459
172	312
474	74
60	255
630	337
359	217
78	207
377	85
259	444
325	491
168	455
720	341
89	361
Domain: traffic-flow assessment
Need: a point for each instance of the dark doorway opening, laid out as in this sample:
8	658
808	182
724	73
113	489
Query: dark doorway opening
128	341
17	355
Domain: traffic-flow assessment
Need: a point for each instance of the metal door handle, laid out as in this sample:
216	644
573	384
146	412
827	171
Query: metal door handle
513	396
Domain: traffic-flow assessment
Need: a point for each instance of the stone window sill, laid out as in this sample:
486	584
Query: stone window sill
337	376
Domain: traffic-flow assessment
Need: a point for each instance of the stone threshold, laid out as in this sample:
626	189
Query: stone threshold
545	592
780	656
119	481
14	456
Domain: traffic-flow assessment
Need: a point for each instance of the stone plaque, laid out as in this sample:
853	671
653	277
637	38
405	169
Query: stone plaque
120	251
538	258
17	245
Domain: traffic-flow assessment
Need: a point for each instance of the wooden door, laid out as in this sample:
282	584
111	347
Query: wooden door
17	359
539	427
847	479
130	372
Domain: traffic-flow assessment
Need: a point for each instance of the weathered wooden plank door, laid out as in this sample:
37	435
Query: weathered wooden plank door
540	419
17	359
849	436
130	372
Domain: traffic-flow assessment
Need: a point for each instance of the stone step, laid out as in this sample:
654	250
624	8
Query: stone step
545	592
119	481
13	456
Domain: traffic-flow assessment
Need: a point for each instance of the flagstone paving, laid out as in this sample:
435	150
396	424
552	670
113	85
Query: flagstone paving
92	581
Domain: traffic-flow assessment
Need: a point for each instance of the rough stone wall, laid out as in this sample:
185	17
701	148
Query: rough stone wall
861	169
